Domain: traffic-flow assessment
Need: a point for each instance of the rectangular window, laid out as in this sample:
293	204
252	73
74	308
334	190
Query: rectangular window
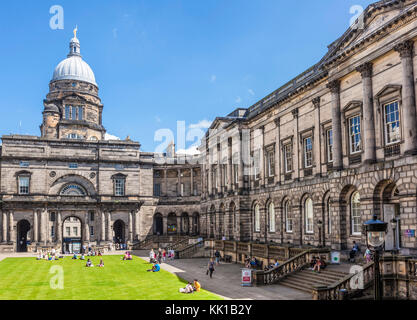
52	231
73	113
392	123
308	152
182	190
80	113
23	185
75	231
157	190
68	231
288	158
329	143
271	163
236	173
119	187
52	216
91	216
67	112
24	164
91	230
73	165
355	134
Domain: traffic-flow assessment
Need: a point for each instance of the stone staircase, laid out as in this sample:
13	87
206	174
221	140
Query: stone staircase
305	280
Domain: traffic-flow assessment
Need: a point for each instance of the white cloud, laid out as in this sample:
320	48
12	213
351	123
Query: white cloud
203	124
238	100
108	136
190	151
251	92
213	78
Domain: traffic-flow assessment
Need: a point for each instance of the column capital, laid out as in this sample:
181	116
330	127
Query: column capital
295	113
405	49
277	121
316	102
334	86
365	69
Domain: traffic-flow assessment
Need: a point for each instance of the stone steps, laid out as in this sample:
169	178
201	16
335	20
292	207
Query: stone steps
305	280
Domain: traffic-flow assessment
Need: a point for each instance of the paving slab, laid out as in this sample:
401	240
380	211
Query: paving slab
226	280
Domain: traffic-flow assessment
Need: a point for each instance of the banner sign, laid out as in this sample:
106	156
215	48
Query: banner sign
410	233
246	277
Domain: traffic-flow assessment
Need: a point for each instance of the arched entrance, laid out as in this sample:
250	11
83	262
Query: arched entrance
158	227
23	227
72	233
119	232
196	224
172	223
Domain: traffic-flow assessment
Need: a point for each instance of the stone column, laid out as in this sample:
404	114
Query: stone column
191	181
136	227
165	225
130	222
4	229
109	236
277	151
179	224
368	113
35	226
166	182
43	223
12	232
58	231
317	136
334	87
408	97
103	226
87	228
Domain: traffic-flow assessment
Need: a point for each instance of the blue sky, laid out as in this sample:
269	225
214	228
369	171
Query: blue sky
162	61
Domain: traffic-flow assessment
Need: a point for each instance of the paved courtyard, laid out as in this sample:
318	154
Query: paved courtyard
226	280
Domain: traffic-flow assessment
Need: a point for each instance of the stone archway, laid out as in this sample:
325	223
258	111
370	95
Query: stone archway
119	232
158	226
23	227
72	235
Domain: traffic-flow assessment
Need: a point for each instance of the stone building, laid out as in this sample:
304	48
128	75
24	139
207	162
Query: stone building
306	165
312	161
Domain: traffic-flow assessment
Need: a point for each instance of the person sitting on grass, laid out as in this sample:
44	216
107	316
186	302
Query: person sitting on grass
74	257
99	253
101	265
89	264
196	285
82	257
188	288
155	268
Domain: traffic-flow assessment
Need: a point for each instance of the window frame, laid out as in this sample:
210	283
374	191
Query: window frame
306	152
355	213
272	217
329	146
350	135
287	153
19	186
384	121
309	227
289	223
257	218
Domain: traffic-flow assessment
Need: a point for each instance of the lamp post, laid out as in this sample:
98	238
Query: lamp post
375	235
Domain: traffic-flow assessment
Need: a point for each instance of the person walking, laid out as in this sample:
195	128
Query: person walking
217	255
211	268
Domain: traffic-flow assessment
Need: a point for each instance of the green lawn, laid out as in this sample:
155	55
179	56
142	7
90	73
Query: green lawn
29	279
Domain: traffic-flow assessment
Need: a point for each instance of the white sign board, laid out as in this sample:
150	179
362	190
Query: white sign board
335	256
246	277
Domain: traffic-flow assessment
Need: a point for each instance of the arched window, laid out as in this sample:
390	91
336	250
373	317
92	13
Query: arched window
288	217
271	210
73	190
329	217
309	215
257	219
355	213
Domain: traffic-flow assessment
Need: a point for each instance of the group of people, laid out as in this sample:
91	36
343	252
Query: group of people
272	266
191	287
161	255
252	263
317	264
48	255
127	256
89	264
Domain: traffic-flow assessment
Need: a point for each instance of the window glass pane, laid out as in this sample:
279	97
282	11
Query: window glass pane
309	215
355	134
330	145
288	217
119	187
392	123
288	158
80	113
271	217
308	152
67	112
23	185
73	113
356	213
257	219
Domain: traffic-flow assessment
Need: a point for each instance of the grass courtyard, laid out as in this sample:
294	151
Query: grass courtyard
29	279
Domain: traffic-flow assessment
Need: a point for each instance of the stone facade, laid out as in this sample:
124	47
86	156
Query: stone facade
306	165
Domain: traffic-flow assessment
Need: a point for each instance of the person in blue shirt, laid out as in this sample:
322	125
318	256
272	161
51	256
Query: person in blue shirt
155	268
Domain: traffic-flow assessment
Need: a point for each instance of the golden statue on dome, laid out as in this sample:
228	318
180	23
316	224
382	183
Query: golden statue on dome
75	32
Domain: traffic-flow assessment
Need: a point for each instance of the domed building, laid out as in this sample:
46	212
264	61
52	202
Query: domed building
73	109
